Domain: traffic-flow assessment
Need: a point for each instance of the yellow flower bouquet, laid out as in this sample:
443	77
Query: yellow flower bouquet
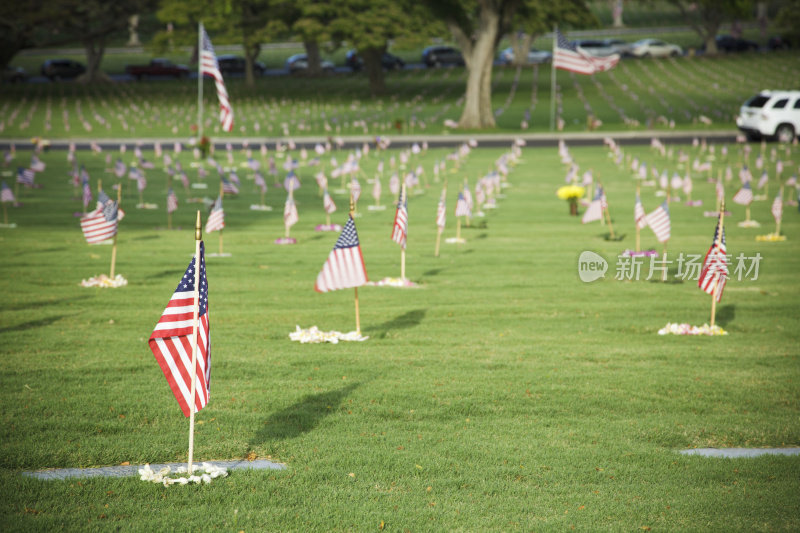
571	193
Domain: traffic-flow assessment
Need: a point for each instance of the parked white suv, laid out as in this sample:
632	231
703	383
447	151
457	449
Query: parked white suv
774	114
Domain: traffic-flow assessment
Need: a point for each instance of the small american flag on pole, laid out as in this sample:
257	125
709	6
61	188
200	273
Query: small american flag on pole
638	213
344	268
171	340
216	218
659	222
210	66
400	228
327	203
290	216
441	212
567	56
87	192
462	207
101	224
595	209
715	268
228	187
745	195
172	201
25	176
777	208
7	194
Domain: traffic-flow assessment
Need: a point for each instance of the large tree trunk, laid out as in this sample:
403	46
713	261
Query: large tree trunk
521	45
372	65
250	55
312	53
95	48
477	112
616	13
711	44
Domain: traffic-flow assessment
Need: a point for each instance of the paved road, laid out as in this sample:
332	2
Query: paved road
488	140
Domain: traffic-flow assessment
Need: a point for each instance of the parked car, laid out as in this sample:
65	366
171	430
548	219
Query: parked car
728	43
14	74
437	56
623	48
388	61
773	114
594	47
655	48
231	64
535	56
56	69
777	42
157	67
299	62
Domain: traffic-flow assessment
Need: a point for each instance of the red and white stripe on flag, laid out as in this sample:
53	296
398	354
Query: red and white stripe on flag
659	222
210	66
567	56
96	228
714	273
171	341
441	214
344	268
777	208
639	214
400	228
290	216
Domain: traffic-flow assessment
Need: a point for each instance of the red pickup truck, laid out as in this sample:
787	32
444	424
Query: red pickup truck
157	67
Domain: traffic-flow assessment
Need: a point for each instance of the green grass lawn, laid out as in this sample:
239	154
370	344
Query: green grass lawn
684	93
504	394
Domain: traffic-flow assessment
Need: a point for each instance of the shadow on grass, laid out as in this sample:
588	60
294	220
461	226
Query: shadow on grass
33	324
42	303
404	321
302	416
432	272
725	315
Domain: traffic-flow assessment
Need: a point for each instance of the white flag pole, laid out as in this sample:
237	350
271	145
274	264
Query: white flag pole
403	195
195	319
553	84
199	82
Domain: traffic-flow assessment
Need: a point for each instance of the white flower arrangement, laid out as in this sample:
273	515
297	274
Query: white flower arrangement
162	476
104	281
687	329
313	335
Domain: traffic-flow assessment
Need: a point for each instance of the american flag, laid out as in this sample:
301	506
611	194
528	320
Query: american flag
596	206
777	208
141	183
87	192
659	222
745	195
234	177
172	201
184	179
25	176
228	187
210	66
260	183
101	224
441	212
216	218
720	190
7	194
327	203
468	198
567	56
377	190
144	163
253	164
290	216
400	228
763	180
715	267
119	168
36	164
355	189
291	182
171	340
462	207
638	213
344	268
